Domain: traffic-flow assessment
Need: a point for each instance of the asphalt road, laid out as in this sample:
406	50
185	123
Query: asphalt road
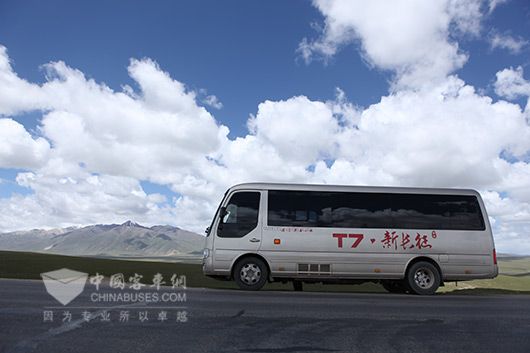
239	321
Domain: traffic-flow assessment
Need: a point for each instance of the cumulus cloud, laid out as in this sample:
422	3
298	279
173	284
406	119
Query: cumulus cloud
79	199
433	129
511	84
410	38
116	133
18	149
94	144
16	95
301	131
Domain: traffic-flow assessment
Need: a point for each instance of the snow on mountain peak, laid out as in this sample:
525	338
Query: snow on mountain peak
131	224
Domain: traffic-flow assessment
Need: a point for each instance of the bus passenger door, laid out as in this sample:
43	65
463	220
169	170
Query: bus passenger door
238	229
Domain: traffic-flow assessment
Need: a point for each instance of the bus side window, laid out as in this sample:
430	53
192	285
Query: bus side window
240	216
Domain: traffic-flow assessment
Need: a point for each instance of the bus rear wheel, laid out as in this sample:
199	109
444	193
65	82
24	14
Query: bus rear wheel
250	273
423	278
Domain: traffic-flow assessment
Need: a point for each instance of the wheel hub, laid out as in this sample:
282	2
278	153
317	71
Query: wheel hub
423	278
250	273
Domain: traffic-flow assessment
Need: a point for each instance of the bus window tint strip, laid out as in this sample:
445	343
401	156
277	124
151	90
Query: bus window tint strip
374	210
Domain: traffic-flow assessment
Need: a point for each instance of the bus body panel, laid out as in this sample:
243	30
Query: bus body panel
337	253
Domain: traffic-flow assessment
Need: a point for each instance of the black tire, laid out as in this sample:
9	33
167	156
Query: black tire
423	278
251	273
395	286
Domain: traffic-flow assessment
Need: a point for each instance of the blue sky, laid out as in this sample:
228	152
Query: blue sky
355	84
243	52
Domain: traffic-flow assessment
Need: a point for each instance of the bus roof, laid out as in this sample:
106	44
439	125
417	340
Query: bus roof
353	188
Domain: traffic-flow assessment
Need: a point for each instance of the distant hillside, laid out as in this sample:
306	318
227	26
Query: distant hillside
127	240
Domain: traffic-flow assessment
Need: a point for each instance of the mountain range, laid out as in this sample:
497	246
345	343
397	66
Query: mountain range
128	240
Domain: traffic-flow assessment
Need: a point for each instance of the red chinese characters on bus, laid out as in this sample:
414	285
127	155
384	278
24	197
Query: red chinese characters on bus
405	241
390	240
393	240
422	242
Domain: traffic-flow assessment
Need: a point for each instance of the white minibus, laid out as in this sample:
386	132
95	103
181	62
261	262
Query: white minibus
407	239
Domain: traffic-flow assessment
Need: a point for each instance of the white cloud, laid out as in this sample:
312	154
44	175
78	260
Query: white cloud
209	99
110	132
423	137
466	16
93	139
60	202
508	42
213	102
301	131
16	95
18	149
511	84
511	222
494	3
410	38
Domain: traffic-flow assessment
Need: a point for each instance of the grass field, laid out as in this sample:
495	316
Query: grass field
27	265
514	275
514	278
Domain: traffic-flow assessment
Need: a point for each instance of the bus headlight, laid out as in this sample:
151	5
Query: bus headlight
206	253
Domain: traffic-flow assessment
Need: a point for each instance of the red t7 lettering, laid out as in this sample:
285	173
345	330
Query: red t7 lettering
341	236
358	239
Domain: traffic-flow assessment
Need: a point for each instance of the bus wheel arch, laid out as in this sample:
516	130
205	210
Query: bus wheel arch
250	272
423	276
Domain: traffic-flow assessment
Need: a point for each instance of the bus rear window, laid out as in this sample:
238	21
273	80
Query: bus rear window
418	211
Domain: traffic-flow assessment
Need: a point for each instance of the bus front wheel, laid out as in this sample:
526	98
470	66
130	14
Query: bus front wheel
423	278
250	273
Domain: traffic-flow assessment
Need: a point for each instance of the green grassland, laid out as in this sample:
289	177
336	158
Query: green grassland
514	278
514	275
27	265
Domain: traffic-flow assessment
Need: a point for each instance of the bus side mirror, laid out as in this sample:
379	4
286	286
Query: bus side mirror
222	215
